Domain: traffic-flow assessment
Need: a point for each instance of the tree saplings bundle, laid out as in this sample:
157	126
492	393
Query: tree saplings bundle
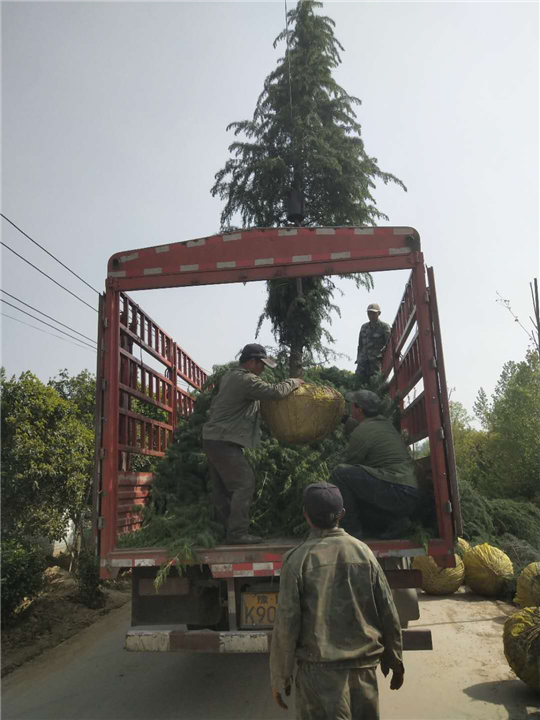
487	569
307	415
439	581
528	586
522	645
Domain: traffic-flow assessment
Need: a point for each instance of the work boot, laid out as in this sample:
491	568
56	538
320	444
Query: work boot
244	540
396	530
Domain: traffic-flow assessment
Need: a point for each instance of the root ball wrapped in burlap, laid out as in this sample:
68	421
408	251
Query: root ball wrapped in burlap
436	580
487	569
462	546
528	586
522	645
307	415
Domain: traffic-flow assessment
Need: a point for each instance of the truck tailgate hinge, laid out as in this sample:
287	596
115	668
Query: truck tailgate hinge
426	296
102	453
100	523
440	433
448	507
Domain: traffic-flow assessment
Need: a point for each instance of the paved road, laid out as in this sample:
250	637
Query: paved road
90	677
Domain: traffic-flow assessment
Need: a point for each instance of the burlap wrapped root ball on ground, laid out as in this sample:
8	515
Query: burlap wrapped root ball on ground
487	569
307	415
522	645
439	581
528	586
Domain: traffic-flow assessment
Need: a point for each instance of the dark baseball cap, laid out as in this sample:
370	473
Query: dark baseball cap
254	350
365	399
323	503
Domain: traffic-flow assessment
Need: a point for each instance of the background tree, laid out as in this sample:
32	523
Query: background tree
46	459
512	422
303	135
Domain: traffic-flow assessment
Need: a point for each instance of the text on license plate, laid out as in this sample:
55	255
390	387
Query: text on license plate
259	609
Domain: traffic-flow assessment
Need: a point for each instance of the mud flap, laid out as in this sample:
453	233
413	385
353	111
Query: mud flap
406	600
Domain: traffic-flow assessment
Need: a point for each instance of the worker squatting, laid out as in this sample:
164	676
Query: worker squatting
336	618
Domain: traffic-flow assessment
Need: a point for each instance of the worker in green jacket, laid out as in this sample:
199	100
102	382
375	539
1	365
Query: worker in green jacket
378	479
335	618
234	424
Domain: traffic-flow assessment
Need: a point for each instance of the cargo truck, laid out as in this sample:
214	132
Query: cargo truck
226	600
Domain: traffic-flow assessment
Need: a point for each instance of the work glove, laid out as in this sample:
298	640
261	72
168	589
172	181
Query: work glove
398	674
277	696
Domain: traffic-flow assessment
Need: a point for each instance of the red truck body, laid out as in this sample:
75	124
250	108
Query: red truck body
214	592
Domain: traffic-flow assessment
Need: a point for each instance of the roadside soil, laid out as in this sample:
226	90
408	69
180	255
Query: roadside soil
54	616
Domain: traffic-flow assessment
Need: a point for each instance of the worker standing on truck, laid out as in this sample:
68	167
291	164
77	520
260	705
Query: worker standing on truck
371	343
378	480
234	424
336	618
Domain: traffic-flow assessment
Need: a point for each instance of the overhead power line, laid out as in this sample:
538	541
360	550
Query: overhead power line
50	278
47	316
84	347
49	253
46	323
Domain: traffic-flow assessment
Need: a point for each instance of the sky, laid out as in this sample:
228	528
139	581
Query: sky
114	123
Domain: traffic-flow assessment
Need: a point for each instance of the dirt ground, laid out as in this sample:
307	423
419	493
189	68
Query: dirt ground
54	616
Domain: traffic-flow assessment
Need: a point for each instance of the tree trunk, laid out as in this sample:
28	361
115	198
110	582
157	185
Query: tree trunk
296	369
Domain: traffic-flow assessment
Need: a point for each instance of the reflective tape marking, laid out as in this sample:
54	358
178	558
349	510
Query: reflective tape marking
399	251
287	233
340	256
263	566
222	265
153	271
188	268
196	243
144	562
162	248
264	261
115	562
325	231
403	231
301	258
364	231
227	567
233	236
117	273
127	258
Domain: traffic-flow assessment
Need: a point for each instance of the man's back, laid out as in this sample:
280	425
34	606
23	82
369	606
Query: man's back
378	447
346	604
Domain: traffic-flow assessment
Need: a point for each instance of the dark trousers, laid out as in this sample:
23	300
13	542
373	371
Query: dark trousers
372	505
234	485
326	693
366	367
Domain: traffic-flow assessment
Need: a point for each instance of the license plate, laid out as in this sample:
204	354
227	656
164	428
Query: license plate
259	609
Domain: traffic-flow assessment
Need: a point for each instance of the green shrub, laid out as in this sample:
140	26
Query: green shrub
23	565
90	593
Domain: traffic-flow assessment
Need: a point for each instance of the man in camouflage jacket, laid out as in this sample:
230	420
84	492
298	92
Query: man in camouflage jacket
371	343
234	424
336	619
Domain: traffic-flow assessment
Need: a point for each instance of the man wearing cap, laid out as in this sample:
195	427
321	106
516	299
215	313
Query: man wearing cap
335	618
234	424
371	343
378	480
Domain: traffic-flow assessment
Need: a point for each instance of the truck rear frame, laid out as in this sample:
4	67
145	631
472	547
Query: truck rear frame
121	434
